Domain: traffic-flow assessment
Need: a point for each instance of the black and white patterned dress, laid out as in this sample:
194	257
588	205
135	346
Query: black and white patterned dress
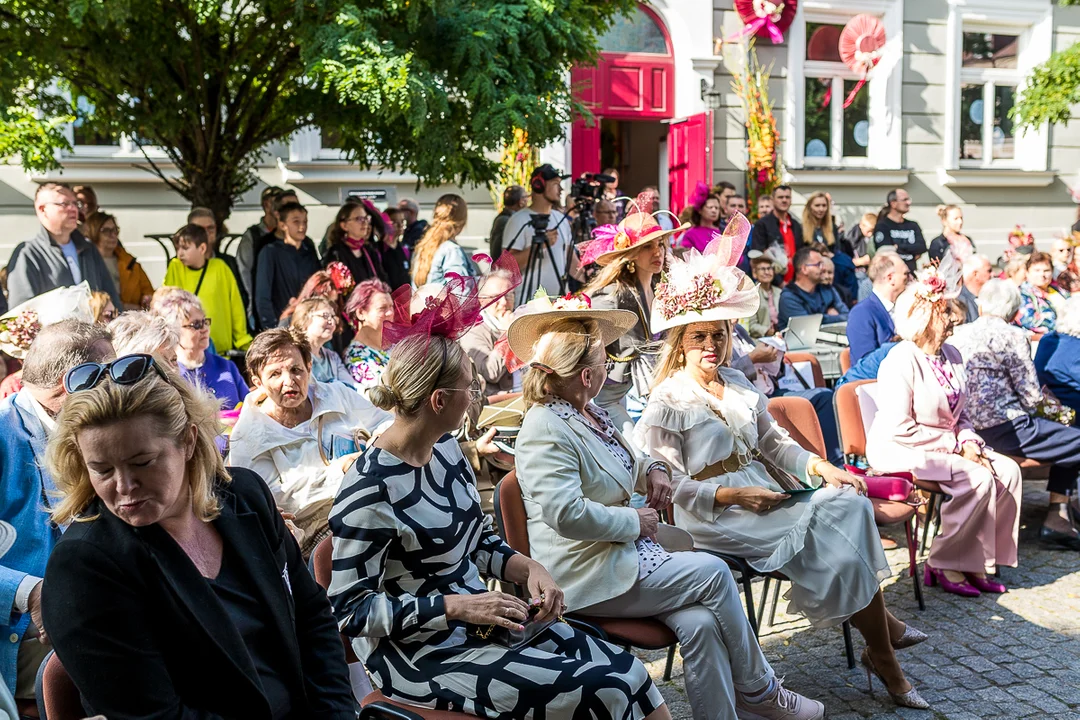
404	537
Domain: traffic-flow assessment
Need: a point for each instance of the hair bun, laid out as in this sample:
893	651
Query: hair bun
384	397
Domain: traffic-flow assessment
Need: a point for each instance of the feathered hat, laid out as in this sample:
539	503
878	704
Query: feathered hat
706	286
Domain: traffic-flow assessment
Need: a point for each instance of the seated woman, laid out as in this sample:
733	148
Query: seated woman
630	255
1039	298
207	370
1005	394
367	309
299	436
479	342
410	544
923	426
577	475
1057	359
736	464
317	320
140	331
127	274
175	573
334	283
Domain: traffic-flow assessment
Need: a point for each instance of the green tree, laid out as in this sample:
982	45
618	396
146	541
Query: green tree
434	87
1052	90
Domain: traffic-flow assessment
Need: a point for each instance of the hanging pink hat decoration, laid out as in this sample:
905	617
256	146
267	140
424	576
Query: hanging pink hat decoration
765	18
862	44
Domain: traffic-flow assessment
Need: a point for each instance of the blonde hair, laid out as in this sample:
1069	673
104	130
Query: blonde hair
98	302
672	359
447	221
944	210
810	223
173	406
564	349
304	310
418	367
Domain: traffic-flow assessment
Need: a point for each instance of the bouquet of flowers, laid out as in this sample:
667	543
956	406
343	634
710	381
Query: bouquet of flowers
20	330
1052	409
764	167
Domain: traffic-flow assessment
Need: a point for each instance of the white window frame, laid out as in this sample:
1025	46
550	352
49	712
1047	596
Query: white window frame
884	86
1032	22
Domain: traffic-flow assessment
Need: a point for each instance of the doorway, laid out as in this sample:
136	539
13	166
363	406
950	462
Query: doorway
637	149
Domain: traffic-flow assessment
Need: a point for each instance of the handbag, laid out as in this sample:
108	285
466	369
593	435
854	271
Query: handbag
895	487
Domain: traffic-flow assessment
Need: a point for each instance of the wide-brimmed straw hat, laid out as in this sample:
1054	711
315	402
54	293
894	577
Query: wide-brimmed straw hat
610	242
706	286
540	313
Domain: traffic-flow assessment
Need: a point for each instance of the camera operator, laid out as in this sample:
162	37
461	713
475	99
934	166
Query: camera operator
546	187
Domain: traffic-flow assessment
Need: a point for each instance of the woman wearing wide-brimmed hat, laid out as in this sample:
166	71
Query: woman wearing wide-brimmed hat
631	256
577	473
736	465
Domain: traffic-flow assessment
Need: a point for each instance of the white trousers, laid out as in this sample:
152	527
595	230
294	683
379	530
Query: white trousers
695	595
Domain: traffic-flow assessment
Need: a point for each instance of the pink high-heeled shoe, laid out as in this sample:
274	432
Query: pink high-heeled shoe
933	576
985	584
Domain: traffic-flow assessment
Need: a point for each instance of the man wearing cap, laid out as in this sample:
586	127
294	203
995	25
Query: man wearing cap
545	184
26	419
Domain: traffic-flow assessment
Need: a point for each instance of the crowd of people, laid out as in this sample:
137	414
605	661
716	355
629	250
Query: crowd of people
171	460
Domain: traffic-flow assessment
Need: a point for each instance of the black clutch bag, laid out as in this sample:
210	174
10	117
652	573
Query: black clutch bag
512	638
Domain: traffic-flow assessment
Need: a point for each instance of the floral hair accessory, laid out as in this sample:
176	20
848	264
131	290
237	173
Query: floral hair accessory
19	331
707	286
1019	242
449	311
927	295
341	277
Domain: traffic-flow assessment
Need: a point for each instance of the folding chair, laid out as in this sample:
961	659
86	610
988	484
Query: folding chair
57	696
644	633
374	704
815	366
845	360
849	419
866	405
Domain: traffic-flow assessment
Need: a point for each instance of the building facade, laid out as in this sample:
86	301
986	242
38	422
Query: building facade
933	118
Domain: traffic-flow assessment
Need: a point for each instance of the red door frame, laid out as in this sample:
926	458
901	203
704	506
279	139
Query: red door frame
621	86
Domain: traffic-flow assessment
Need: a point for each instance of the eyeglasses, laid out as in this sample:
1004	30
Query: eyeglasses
328	317
127	370
67	204
817	264
110	231
361	220
198	324
475	391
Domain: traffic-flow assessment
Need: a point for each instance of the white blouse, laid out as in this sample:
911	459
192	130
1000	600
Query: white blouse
693	429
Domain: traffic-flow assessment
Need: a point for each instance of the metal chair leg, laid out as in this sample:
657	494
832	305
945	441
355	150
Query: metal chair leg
764	601
775	602
748	594
911	530
670	663
929	521
848	648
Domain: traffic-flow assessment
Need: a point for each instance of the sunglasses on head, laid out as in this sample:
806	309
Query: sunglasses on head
127	370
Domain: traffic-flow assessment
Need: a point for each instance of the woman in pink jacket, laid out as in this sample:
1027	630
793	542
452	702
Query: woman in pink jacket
922	426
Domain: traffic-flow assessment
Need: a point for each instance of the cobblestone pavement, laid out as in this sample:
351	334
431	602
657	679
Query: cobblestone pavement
991	658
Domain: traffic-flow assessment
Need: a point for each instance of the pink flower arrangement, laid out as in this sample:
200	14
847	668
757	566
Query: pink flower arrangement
20	330
705	292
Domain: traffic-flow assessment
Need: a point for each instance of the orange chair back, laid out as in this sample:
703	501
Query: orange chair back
797	416
819	376
512	516
845	360
849	419
58	692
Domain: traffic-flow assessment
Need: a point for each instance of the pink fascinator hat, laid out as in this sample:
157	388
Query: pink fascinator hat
706	286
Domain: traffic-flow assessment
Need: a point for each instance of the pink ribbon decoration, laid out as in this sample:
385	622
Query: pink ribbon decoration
764	18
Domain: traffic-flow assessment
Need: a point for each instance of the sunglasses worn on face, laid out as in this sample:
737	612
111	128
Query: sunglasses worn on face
198	324
127	370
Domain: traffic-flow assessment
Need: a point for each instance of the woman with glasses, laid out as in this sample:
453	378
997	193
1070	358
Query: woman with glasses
217	375
352	240
577	475
299	436
127	274
317	320
175	573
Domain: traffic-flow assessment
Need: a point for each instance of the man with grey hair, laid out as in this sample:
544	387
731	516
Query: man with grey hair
414	226
977	271
26	419
145	332
1003	395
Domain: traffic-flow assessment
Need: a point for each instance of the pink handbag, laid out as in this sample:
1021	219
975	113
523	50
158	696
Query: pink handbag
895	487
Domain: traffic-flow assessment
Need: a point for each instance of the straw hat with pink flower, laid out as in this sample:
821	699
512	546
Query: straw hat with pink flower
611	242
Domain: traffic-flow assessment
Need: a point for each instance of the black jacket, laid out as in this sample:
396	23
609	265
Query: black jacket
281	273
767	232
143	635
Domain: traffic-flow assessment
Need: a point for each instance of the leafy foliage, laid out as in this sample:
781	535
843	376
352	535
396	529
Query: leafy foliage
434	87
1051	92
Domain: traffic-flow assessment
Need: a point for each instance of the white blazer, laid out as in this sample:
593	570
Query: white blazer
577	496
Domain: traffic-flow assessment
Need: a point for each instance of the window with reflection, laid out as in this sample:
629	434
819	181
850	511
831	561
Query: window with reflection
832	134
637	33
989	75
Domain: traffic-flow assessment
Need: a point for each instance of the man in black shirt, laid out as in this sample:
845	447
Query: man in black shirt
894	229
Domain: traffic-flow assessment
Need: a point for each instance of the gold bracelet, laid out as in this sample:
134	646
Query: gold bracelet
815	463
